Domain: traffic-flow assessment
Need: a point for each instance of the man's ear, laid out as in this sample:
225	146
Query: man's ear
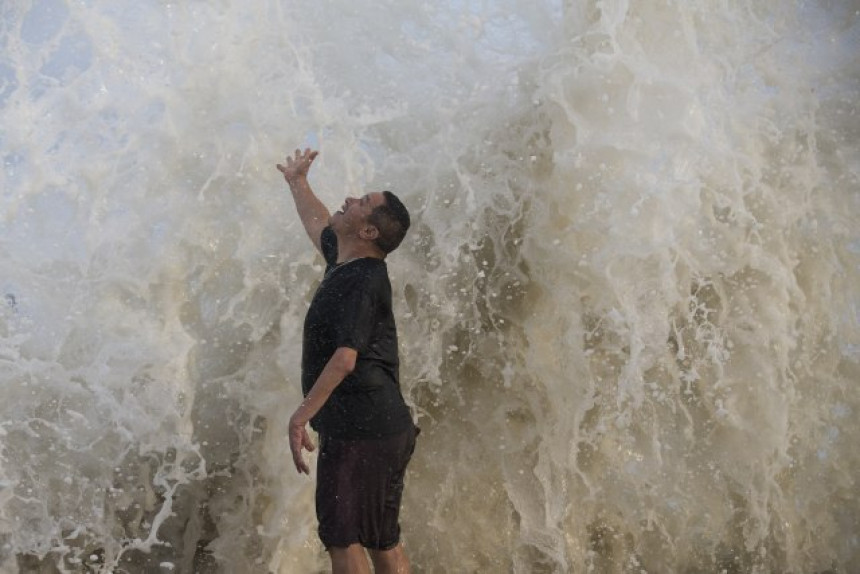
369	233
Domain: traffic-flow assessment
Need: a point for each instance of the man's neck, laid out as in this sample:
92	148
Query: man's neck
349	250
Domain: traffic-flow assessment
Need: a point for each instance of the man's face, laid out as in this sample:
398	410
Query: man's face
354	212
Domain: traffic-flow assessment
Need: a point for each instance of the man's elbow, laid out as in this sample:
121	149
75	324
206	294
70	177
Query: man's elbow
345	359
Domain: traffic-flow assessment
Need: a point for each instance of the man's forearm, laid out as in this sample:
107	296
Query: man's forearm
312	212
335	371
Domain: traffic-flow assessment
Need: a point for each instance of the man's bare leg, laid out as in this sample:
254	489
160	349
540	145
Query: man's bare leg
392	561
349	560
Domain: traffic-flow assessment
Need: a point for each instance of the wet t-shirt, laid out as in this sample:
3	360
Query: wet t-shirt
352	308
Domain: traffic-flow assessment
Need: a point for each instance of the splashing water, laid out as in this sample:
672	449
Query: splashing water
628	304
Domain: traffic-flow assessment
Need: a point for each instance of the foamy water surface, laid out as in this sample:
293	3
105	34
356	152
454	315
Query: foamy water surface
628	306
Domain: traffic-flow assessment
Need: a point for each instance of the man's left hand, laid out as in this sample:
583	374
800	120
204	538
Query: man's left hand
299	439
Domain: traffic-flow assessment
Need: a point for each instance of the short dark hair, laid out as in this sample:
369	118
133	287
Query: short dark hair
392	221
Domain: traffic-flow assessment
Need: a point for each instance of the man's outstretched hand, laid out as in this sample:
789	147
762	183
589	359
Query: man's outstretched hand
298	165
299	438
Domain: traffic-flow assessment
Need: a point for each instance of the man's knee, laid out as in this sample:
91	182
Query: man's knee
393	561
348	560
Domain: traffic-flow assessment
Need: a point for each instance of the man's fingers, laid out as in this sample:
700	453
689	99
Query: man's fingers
299	460
299	438
306	442
299	156
302	467
298	164
300	464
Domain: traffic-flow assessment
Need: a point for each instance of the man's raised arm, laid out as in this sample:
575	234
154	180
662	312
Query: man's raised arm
312	212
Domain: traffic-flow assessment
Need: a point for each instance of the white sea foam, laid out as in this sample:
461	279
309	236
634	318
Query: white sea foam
628	305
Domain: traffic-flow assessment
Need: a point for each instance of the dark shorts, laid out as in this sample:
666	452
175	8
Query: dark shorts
359	486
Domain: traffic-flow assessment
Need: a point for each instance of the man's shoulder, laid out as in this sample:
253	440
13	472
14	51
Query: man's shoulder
365	273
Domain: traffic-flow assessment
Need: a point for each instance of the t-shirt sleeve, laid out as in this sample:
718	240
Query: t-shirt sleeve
328	245
357	317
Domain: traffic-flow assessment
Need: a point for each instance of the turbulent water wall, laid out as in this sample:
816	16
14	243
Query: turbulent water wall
628	305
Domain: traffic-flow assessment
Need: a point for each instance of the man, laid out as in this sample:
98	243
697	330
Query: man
350	377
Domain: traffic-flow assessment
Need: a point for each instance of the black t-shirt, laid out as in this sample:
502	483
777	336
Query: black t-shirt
352	308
